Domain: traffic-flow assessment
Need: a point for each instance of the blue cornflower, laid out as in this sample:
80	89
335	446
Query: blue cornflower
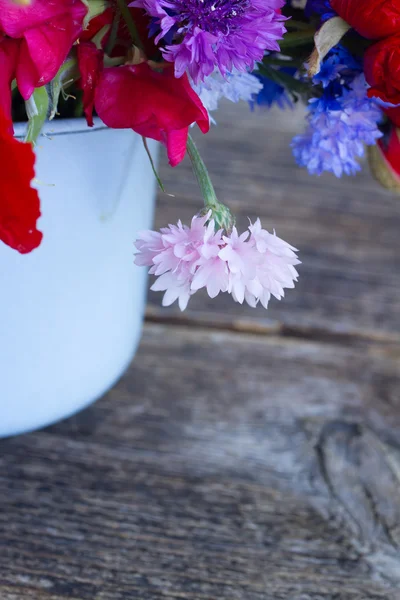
272	92
351	65
319	7
338	128
338	63
330	70
234	86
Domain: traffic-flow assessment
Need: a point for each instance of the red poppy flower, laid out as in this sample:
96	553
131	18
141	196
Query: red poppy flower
394	115
373	19
382	69
19	202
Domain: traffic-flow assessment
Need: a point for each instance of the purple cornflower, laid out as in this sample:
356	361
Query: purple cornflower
339	126
216	34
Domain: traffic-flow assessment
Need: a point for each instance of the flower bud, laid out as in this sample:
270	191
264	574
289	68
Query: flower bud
223	218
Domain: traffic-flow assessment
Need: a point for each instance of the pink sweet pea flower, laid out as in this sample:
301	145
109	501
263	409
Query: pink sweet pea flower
45	32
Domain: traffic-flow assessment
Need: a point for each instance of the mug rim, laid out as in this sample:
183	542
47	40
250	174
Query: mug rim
61	127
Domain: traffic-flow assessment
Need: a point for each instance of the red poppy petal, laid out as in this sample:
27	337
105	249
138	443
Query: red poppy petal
373	19
90	62
19	202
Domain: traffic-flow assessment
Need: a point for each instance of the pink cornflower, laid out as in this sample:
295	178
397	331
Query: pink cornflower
251	266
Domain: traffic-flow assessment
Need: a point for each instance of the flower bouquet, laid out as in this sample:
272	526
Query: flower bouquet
160	67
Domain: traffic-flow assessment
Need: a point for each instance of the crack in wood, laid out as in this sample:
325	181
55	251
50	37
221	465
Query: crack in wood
348	456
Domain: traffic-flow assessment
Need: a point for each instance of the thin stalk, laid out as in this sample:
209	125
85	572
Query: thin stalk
130	23
113	33
153	166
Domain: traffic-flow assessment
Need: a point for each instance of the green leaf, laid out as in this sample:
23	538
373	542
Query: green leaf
37	109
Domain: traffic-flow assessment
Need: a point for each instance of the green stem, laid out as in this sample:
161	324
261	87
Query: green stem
202	176
113	33
220	213
130	23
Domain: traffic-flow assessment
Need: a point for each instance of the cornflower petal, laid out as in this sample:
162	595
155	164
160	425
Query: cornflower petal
251	266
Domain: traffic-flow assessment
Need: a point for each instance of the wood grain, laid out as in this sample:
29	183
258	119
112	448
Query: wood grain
246	454
223	466
346	231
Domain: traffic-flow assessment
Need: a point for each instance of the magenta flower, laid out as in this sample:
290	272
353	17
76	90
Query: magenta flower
210	34
42	35
251	266
164	107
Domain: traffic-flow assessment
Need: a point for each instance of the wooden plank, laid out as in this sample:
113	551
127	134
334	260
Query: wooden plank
346	230
223	466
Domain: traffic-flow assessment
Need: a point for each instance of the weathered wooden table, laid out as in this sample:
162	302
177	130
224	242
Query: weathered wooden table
247	454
